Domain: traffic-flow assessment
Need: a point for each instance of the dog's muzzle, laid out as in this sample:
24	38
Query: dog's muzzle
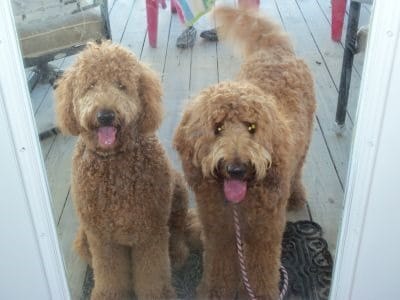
236	170
105	117
235	177
106	132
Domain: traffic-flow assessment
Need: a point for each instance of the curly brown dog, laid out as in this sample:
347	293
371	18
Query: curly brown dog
243	143
132	206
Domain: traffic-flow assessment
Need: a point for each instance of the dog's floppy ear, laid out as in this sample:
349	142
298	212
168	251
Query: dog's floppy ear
150	93
186	135
66	119
191	134
180	142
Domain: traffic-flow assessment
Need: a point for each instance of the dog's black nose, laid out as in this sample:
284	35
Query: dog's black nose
236	171
105	117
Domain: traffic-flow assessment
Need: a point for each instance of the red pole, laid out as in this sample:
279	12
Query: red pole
338	11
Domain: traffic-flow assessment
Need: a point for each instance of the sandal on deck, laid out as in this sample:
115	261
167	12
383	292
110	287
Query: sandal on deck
210	35
187	38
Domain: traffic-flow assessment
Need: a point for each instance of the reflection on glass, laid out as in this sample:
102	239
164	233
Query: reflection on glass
53	32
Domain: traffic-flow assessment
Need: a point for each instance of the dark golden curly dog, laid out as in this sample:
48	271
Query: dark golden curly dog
131	205
243	143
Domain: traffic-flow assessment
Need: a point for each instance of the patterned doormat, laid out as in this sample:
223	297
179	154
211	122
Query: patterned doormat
305	256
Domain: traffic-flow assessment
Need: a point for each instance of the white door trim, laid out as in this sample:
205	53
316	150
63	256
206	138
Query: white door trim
19	119
373	105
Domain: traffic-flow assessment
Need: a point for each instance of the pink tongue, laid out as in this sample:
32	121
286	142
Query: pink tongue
235	190
106	135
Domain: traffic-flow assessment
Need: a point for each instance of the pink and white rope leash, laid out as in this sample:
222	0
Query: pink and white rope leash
242	264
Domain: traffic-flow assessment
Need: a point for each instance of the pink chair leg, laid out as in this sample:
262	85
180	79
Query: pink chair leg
249	3
152	21
338	11
173	6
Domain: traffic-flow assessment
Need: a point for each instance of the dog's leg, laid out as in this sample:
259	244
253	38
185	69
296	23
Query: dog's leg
178	250
262	260
263	272
221	274
81	245
111	270
151	267
193	230
297	198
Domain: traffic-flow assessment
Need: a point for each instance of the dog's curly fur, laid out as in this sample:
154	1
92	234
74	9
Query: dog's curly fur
274	92
131	204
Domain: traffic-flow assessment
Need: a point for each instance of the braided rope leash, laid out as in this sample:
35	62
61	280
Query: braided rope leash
242	263
285	284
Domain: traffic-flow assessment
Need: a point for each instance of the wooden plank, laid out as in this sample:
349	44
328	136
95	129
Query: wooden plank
204	68
46	145
325	194
41	90
119	17
228	59
326	93
45	118
58	166
302	214
330	51
269	9
75	267
110	5
134	33
358	58
38	95
228	62
176	83
155	57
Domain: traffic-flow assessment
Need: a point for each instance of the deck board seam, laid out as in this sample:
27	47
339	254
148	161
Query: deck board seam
329	152
65	203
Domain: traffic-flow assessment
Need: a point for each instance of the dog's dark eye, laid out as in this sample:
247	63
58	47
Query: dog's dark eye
91	85
251	127
121	86
218	128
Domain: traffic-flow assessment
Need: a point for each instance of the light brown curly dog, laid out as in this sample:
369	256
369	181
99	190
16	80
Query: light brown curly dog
128	199
243	143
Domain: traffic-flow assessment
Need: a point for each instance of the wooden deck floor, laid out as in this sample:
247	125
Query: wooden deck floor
185	72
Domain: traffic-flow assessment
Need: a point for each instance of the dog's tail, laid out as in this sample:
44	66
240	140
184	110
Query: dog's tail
249	30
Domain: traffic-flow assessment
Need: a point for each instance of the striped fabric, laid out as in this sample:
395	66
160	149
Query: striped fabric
190	11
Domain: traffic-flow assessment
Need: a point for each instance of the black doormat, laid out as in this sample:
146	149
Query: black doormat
305	256
307	260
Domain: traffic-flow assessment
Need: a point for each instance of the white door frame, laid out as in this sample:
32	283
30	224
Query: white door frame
366	266
378	103
31	222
